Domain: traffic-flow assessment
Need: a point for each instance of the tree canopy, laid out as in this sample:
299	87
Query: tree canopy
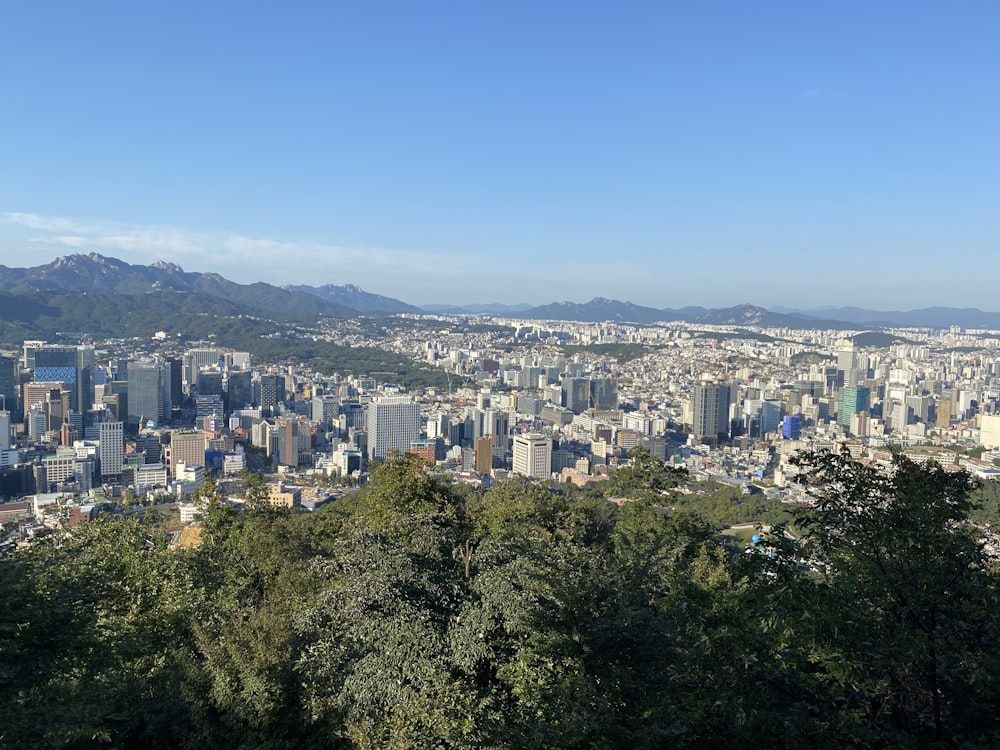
414	613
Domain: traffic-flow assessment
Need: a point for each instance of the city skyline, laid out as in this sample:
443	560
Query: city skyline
662	154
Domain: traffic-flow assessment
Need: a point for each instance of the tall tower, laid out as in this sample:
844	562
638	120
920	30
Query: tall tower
576	394
853	399
111	449
710	408
84	381
145	384
9	386
272	391
393	421
239	390
6	436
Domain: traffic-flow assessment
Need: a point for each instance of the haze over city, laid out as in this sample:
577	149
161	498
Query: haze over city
667	154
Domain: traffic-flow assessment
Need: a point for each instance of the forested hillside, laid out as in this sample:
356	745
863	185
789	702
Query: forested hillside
413	614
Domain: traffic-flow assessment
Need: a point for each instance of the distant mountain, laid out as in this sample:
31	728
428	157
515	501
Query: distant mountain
750	315
352	296
494	308
598	310
97	274
928	317
50	314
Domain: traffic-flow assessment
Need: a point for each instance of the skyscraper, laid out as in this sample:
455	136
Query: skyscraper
145	385
393	421
6	436
710	408
576	394
853	399
603	393
239	390
111	449
84	380
9	384
272	391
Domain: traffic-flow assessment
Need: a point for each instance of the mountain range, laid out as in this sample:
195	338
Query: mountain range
101	275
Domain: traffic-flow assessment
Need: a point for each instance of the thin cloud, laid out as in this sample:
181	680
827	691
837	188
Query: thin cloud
73	240
45	223
829	93
248	258
153	241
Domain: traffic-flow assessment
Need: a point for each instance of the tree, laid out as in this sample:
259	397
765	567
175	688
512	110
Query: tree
643	476
97	628
401	485
913	631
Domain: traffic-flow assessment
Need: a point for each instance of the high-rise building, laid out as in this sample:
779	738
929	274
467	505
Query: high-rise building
393	421
771	412
603	393
195	359
499	430
239	390
532	456
272	391
72	366
210	383
58	364
294	438
29	348
576	394
943	414
354	414
85	366
186	447
175	381
149	445
483	454
6	434
111	449
9	385
791	427
116	399
853	399
989	431
166	404
145	391
37	393
710	411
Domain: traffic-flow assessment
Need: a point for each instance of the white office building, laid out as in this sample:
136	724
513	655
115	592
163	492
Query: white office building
393	422
532	456
111	450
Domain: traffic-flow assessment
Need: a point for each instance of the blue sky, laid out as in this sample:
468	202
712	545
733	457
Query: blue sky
667	153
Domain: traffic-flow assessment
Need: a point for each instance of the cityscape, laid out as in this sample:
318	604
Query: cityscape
498	376
301	539
91	423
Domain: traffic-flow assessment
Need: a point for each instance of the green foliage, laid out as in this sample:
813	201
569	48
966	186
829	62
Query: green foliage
96	645
913	596
879	339
723	505
414	615
644	476
621	353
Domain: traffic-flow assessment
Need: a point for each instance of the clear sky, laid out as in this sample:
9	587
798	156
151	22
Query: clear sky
668	153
